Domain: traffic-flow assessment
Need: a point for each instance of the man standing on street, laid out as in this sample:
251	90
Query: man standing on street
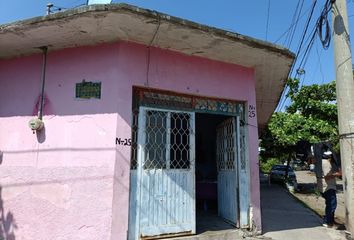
327	186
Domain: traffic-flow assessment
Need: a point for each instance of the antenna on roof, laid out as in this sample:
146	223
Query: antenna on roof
49	6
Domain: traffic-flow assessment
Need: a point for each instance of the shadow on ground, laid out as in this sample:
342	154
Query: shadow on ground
7	222
310	188
280	211
211	222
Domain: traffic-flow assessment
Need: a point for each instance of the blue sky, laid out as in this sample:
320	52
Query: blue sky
267	20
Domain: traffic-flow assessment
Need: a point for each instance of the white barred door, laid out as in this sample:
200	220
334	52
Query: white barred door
165	173
227	151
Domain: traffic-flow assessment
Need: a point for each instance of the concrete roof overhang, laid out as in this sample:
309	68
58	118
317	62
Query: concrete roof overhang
95	24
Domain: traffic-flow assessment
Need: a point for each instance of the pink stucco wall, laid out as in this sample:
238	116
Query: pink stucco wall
198	76
71	181
59	184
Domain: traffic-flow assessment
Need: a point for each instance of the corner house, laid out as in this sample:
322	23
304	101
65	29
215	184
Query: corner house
119	122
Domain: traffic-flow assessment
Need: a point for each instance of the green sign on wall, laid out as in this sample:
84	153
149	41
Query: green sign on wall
87	90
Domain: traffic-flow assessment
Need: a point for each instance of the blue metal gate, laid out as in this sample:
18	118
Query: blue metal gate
165	188
227	150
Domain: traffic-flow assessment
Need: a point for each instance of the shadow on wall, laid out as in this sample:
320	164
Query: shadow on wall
7	222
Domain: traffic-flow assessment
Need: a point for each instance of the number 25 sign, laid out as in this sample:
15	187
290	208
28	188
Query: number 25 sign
124	141
251	111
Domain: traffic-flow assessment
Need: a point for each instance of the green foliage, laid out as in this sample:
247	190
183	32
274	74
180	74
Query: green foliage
316	101
311	116
267	165
290	128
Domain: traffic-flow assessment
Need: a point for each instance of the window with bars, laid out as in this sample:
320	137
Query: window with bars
155	140
225	147
179	141
174	129
134	146
167	140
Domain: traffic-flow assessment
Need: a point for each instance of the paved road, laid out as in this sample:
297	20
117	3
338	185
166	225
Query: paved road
284	218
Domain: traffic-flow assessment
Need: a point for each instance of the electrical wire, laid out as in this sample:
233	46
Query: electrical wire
283	97
323	21
325	40
149	51
291	26
305	31
346	135
306	57
292	36
320	65
294	29
293	21
303	61
267	26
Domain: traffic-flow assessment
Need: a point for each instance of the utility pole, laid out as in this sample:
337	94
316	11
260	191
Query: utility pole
345	103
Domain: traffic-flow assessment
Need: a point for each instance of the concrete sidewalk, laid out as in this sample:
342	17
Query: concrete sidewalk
285	218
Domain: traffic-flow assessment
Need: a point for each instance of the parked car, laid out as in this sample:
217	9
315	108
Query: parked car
277	174
299	165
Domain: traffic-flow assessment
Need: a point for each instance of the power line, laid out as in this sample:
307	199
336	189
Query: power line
320	65
305	30
322	20
294	29
267	26
297	53
302	62
291	26
306	56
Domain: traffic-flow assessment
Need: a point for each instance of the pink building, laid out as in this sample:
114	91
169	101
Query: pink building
148	121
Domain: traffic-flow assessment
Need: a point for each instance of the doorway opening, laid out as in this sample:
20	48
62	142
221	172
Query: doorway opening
213	154
186	165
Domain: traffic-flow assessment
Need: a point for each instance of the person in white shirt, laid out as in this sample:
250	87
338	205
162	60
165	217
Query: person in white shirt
327	186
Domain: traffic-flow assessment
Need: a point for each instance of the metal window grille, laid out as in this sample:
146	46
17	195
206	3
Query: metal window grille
179	141
225	148
157	98
134	146
155	142
88	90
167	140
242	145
242	138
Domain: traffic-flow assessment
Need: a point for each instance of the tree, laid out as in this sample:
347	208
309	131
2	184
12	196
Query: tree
311	117
316	101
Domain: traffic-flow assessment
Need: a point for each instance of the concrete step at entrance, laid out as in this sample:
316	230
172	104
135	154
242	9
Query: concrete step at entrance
211	227
214	235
